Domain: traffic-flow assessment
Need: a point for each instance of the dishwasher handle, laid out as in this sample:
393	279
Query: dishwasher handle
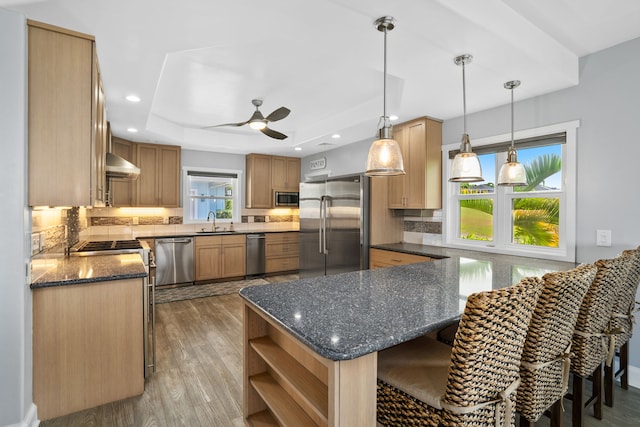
255	236
185	240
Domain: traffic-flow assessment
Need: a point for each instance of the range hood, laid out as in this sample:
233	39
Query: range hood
117	167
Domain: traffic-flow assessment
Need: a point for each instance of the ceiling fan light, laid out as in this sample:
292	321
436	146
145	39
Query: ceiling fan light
258	124
385	158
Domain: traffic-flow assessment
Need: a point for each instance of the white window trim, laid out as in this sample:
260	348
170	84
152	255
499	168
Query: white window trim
567	249
235	190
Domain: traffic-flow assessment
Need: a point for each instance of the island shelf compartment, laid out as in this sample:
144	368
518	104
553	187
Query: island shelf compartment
287	383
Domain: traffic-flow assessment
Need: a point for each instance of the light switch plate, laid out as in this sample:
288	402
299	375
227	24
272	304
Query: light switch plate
603	237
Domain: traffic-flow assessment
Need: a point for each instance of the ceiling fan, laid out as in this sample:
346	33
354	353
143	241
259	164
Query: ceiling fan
259	122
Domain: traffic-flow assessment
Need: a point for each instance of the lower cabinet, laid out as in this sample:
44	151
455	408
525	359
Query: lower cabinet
282	252
379	258
218	257
87	345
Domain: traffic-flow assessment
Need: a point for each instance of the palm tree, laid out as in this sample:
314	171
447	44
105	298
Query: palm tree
536	220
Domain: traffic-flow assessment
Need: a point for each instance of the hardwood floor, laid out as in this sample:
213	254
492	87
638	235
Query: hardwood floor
198	378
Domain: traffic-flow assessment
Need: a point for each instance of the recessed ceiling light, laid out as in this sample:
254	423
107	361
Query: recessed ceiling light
298	148
335	136
132	130
133	98
393	117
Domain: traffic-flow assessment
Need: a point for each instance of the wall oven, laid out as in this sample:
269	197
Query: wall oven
286	199
116	247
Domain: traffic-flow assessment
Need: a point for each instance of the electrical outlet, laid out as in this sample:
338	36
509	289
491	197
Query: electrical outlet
136	220
603	237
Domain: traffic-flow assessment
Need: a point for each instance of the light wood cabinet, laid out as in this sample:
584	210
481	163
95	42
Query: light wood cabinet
282	252
266	174
380	258
285	383
420	141
219	257
121	190
258	193
285	173
99	141
66	117
159	180
87	345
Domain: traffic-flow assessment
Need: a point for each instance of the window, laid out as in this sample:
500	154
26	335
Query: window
536	220
208	192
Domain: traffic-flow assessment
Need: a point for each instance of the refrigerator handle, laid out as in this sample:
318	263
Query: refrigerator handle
325	201
320	225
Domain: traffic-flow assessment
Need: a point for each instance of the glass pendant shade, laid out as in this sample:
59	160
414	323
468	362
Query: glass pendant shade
385	157
512	172
466	165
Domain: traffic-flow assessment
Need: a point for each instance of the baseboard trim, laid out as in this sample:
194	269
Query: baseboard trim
30	419
634	376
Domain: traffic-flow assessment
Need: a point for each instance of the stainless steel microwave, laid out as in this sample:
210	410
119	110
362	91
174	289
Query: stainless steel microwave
286	199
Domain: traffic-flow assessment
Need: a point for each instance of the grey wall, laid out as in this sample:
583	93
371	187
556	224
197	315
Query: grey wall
15	295
345	160
211	160
607	103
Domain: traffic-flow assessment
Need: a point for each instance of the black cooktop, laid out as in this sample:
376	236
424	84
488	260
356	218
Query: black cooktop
108	245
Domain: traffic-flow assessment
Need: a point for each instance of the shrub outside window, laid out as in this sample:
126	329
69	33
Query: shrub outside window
209	192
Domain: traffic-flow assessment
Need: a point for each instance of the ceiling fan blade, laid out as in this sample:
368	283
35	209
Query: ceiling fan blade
226	124
278	114
273	133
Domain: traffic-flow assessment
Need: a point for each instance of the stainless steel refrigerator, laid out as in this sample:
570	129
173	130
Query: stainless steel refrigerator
334	225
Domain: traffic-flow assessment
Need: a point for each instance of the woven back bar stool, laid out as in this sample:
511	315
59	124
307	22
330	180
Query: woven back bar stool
424	382
544	369
593	337
622	320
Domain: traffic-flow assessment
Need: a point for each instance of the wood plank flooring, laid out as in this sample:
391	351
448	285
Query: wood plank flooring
198	378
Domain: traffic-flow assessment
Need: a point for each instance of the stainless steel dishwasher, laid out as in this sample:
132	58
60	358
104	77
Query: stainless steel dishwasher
174	261
255	254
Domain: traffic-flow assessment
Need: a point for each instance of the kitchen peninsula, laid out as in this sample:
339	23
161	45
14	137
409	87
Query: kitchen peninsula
310	346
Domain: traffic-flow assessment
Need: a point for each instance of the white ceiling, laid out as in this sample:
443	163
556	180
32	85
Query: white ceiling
198	63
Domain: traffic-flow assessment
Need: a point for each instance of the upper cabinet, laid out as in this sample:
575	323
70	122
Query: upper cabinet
66	119
420	141
159	180
121	190
266	174
285	173
258	193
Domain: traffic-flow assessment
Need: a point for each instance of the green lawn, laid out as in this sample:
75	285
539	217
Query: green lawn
475	224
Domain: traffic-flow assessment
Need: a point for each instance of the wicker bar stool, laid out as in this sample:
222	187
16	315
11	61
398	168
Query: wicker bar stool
622	319
544	369
593	338
424	382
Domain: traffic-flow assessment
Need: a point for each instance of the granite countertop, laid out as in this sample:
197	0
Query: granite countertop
160	235
345	316
60	270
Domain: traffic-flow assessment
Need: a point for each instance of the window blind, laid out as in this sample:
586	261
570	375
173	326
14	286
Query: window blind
536	141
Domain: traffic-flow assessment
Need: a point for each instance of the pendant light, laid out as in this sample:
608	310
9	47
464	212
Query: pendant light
385	157
512	172
466	165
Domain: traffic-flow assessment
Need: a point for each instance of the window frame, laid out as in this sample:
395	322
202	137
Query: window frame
503	196
236	194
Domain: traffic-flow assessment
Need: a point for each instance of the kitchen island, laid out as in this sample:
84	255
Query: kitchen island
310	346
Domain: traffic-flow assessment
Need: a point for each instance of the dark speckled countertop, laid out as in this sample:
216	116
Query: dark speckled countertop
59	270
348	315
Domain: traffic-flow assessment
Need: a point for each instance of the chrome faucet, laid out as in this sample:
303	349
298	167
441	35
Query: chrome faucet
209	215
